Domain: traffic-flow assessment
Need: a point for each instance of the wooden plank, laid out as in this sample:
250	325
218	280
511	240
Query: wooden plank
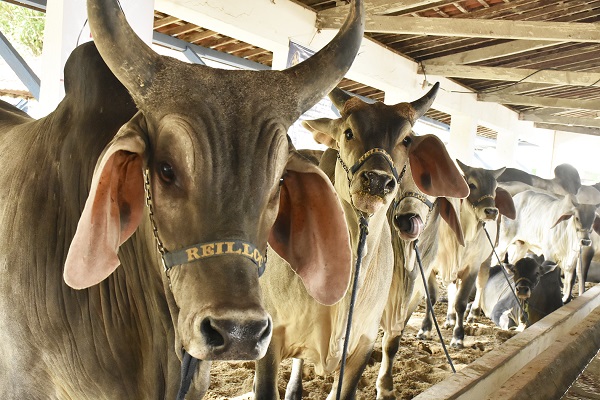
565	128
540	101
482	28
165	21
568	78
377	7
550	119
491	52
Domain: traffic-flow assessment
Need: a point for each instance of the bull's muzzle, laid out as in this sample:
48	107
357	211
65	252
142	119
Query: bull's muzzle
378	183
234	339
523	292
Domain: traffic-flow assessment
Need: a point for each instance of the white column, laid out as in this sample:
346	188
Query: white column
463	129
66	28
506	147
280	57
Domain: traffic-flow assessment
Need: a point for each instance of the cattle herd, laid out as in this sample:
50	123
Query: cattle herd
160	219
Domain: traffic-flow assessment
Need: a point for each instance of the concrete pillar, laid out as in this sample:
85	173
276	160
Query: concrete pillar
280	57
506	147
66	28
463	130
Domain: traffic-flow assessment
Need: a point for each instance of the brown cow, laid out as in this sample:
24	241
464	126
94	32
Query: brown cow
214	145
374	142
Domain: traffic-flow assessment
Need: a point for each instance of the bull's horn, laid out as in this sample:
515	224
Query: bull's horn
315	77
339	98
131	60
423	104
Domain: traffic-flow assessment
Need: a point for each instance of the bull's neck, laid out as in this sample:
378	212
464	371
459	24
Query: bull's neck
469	221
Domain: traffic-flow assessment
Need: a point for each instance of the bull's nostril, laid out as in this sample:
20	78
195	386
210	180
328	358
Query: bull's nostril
213	337
266	332
491	211
390	186
586	242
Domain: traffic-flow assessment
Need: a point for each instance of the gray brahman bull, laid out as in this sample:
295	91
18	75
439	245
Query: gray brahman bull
214	147
555	227
374	142
458	265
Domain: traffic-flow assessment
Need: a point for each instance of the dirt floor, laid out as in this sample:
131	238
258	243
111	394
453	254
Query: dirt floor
419	364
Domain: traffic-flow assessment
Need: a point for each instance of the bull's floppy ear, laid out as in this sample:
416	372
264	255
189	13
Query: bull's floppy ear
310	231
562	218
433	170
112	211
449	213
323	131
505	204
596	224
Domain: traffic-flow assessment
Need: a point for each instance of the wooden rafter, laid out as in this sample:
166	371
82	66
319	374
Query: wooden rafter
569	78
569	121
481	28
540	101
565	128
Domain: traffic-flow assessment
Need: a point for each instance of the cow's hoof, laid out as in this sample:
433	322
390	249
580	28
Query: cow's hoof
457	344
424	335
449	324
384	394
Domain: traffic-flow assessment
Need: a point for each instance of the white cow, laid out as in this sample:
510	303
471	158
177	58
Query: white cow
554	227
414	216
457	265
372	140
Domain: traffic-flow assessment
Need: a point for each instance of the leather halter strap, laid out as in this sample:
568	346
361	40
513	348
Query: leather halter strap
371	153
202	251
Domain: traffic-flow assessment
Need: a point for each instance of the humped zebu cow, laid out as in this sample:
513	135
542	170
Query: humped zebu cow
373	142
74	193
554	227
413	217
566	181
537	287
458	265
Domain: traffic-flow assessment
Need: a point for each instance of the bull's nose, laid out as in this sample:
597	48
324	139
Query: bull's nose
379	184
586	242
230	339
523	292
491	212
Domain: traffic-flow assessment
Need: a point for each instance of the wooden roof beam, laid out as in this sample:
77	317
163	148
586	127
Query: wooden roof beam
491	52
539	101
482	28
565	128
551	77
569	121
376	7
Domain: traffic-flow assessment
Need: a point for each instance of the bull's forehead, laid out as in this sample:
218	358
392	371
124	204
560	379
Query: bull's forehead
526	268
586	214
484	181
378	125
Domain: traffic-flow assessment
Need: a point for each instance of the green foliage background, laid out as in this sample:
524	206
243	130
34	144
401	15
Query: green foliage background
22	25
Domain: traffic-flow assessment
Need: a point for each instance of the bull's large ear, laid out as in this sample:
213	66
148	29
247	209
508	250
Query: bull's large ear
324	131
113	209
448	211
505	204
562	218
596	224
433	170
310	231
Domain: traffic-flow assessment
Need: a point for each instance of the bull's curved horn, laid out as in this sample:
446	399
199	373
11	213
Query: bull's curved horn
423	104
339	98
313	78
131	60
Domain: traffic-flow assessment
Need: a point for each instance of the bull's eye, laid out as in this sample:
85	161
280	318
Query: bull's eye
472	186
281	181
166	173
407	141
349	134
